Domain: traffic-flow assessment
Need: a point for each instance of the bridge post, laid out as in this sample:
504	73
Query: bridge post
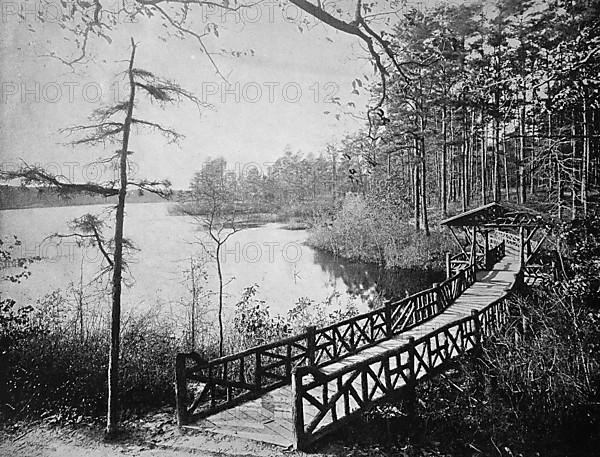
388	318
486	248
477	328
522	246
520	279
298	436
448	266
258	372
483	383
181	390
474	247
411	393
310	345
437	295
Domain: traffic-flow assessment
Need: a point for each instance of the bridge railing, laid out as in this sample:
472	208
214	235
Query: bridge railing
324	401
495	254
206	387
511	240
483	261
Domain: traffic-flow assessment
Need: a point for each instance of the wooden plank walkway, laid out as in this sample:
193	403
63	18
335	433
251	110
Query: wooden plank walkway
269	418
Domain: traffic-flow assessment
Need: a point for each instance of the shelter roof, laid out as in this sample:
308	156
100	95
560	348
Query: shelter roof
498	215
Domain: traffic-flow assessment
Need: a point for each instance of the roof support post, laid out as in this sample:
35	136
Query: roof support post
474	247
522	245
486	249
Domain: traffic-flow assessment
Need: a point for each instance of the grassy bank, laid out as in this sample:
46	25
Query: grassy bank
295	216
55	352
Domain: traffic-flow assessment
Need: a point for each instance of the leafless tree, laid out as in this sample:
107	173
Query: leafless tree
105	127
215	210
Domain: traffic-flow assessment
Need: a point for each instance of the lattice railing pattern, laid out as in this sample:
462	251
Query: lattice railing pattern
495	254
206	387
323	400
512	241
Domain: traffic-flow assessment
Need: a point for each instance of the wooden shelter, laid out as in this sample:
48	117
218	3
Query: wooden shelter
517	226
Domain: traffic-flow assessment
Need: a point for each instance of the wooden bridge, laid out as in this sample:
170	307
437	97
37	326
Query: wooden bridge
293	391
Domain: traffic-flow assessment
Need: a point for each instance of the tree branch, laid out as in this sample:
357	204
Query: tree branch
37	175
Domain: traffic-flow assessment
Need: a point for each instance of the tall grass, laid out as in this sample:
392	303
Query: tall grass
55	367
54	354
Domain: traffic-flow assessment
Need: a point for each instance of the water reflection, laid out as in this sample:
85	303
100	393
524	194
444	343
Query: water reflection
370	282
276	259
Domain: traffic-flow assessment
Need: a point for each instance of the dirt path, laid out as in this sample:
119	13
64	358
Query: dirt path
153	436
157	435
43	441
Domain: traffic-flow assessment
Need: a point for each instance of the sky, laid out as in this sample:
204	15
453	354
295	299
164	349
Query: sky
277	97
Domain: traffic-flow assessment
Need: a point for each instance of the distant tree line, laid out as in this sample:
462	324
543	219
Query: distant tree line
293	178
18	197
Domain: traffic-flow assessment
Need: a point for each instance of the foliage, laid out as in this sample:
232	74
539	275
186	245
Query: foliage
581	250
294	187
253	323
307	313
534	390
547	362
375	230
53	370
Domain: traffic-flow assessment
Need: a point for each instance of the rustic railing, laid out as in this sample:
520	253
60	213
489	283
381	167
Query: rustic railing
206	387
483	261
539	273
323	401
456	262
494	255
512	241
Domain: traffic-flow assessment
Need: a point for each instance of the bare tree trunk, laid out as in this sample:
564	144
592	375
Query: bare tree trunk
505	163
465	158
496	191
424	186
444	162
532	160
334	177
521	189
573	167
483	164
220	273
115	328
417	186
80	303
585	164
194	298
471	168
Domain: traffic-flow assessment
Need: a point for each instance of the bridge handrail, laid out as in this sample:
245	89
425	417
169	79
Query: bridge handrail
400	367
510	239
232	379
229	380
495	254
483	260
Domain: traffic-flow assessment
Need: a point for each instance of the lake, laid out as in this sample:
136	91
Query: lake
276	259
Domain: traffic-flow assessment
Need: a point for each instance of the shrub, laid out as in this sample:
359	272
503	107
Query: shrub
54	369
371	230
253	323
547	362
